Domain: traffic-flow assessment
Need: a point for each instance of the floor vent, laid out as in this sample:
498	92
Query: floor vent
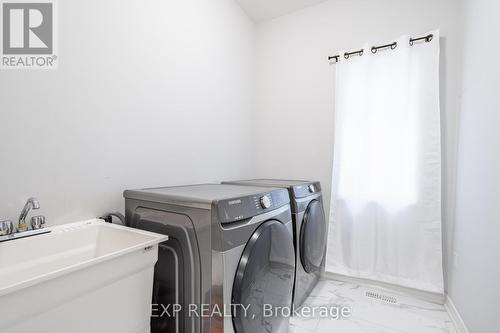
381	297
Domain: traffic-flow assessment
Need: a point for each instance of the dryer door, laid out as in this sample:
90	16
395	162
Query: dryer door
264	280
313	237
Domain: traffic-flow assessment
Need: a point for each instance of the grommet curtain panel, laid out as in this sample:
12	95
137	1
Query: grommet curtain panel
385	215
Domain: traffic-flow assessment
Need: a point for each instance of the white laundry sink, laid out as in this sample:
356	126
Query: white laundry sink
88	276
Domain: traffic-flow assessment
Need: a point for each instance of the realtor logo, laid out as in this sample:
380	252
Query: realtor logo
28	30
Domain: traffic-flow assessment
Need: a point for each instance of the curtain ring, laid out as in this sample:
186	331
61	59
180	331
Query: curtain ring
361	52
429	38
374	49
346	55
394	45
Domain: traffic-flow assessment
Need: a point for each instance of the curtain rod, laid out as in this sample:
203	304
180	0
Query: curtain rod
374	49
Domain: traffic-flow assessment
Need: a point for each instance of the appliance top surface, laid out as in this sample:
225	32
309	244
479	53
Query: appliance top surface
273	182
203	194
298	189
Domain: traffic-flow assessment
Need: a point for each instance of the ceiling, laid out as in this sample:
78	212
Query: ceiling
260	10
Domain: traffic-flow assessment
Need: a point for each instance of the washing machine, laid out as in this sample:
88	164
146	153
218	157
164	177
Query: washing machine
229	262
310	230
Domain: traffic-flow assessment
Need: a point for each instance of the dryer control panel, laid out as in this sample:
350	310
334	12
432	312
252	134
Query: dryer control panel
304	190
232	210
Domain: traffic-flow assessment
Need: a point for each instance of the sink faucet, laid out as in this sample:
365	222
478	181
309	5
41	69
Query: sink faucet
32	203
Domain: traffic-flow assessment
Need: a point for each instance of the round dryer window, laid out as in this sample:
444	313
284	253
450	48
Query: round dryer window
265	276
313	237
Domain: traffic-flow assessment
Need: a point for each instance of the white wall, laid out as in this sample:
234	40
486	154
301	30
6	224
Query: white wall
295	84
147	93
474	279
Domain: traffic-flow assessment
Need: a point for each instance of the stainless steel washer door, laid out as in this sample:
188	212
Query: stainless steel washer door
264	279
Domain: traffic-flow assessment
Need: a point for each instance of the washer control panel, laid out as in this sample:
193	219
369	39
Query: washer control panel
232	210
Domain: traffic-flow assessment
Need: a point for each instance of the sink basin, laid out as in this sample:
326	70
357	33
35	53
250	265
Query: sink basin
89	276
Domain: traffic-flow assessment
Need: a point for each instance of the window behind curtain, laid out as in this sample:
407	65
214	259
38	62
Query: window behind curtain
385	220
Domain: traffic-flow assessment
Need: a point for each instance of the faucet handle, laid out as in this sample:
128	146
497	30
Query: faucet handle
37	222
6	227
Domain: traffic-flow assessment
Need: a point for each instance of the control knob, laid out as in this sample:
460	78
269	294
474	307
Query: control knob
265	202
311	188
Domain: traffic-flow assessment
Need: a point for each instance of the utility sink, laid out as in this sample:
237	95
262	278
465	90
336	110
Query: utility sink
89	276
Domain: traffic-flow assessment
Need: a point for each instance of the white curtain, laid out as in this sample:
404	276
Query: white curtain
385	216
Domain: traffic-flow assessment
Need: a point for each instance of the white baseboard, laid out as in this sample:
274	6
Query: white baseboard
423	295
455	316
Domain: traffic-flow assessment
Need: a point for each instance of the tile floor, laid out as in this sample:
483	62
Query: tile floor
408	315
